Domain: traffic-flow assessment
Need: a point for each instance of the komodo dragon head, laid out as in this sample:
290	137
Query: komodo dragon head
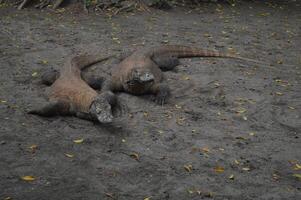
140	77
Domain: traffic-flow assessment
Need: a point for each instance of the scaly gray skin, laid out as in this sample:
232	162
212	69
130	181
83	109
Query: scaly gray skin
141	72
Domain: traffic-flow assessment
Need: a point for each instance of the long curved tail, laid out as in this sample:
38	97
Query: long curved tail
79	62
188	52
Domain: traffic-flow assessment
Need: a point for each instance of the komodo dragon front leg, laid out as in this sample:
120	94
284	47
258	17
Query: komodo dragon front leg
49	76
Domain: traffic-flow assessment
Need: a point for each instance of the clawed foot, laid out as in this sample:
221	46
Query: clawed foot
162	95
101	110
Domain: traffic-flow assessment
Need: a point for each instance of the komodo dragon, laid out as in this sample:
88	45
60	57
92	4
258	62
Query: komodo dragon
141	72
71	95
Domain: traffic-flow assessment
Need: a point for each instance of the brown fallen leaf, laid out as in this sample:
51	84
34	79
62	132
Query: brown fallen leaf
134	156
28	178
110	195
206	149
219	169
33	148
188	168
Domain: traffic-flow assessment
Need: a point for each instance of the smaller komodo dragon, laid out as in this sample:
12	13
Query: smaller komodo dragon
141	72
71	95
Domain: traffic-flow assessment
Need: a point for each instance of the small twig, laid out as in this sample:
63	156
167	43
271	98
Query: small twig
21	6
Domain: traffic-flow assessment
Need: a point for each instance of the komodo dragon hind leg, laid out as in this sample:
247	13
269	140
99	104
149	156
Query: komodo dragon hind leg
52	108
166	62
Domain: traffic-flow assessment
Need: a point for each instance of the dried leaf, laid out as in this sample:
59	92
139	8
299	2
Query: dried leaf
69	155
178	106
145	114
34	74
246	168
33	148
279	93
44	62
134	156
297	167
188	168
251	133
297	176
236	162
147	198
28	178
206	149
231	177
219	169
110	195
78	141
240	110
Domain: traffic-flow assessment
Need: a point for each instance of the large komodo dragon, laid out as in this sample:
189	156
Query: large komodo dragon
71	95
141	72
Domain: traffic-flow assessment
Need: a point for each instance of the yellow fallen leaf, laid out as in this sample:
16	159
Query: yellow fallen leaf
279	93
186	78
251	133
78	141
69	155
206	149
297	167
147	198
290	107
44	62
297	176
190	191
219	169
246	169
34	74
188	168
8	198
231	177
241	110
28	178
145	114
236	162
178	106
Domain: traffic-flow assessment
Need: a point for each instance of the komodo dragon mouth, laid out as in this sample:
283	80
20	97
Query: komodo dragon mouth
141	78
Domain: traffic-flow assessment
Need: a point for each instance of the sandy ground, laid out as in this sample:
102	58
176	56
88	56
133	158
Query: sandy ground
230	131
